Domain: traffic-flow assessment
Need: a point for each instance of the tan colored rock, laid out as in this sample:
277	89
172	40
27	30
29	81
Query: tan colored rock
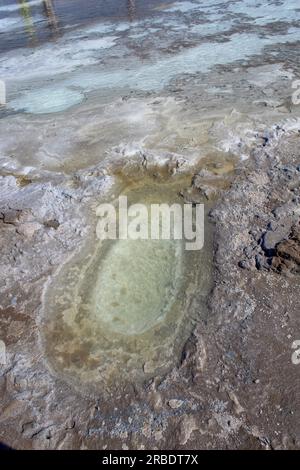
188	426
175	404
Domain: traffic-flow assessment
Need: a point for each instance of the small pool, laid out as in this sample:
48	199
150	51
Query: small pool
120	311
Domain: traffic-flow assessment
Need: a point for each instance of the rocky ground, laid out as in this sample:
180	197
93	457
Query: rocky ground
255	303
235	385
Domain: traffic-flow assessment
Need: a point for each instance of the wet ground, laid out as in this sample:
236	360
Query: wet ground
184	98
109	58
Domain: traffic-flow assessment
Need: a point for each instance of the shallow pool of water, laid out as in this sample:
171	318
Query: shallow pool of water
120	311
32	22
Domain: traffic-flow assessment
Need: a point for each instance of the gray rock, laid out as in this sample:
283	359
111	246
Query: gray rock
275	235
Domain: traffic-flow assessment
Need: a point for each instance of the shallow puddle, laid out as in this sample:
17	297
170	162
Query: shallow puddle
120	311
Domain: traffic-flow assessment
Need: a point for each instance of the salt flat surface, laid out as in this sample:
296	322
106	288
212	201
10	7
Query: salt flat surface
111	54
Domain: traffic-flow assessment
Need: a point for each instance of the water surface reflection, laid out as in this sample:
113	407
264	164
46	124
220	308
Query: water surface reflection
30	22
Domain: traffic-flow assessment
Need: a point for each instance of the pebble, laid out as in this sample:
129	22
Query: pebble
174	404
242	264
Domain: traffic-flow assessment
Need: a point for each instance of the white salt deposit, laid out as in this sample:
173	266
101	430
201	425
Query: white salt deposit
265	13
7	24
211	28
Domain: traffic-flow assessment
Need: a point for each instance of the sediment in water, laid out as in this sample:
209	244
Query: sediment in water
119	311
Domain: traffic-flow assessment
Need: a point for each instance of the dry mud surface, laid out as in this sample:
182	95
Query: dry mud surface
234	384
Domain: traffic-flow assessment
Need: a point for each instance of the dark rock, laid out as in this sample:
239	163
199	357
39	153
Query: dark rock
287	256
259	261
275	235
243	264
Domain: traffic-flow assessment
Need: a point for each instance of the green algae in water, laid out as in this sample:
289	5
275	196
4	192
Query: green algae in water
120	311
